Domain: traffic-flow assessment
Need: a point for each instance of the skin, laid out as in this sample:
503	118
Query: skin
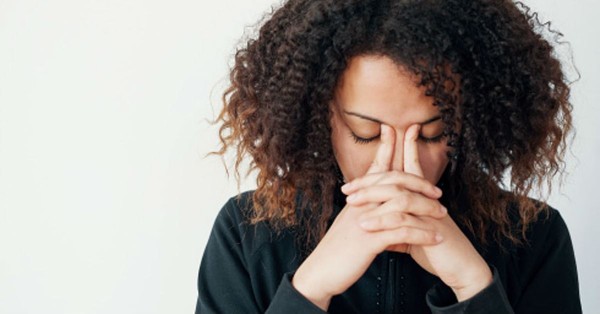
392	199
377	88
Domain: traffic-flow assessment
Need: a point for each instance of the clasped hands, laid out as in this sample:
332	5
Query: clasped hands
397	211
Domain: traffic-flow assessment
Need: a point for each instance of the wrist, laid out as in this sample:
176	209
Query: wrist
475	284
311	291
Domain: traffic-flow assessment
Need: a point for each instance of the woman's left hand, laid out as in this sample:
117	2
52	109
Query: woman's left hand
454	260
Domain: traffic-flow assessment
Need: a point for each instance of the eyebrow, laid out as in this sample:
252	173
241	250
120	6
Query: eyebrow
356	114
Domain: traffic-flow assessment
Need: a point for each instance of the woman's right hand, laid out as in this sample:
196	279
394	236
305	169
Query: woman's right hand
347	250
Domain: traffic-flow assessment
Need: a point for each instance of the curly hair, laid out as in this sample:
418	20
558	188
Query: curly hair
511	104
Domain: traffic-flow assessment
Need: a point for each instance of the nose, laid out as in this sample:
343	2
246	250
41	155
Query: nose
398	155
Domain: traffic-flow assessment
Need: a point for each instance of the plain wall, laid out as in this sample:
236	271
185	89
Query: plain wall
106	199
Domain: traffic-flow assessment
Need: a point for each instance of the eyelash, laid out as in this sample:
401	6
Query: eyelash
435	139
426	140
360	140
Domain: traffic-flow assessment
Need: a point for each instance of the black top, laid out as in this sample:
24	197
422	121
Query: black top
248	269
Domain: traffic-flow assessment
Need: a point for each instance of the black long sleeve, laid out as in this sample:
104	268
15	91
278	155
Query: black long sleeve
224	283
551	284
248	269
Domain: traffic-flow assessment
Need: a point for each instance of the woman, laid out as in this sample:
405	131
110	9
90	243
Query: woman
421	108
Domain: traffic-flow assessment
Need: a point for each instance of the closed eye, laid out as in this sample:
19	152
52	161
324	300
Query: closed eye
435	139
361	140
428	140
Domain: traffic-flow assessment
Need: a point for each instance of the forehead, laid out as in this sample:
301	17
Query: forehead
376	86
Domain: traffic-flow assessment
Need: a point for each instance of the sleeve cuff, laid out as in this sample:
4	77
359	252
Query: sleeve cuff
288	300
492	299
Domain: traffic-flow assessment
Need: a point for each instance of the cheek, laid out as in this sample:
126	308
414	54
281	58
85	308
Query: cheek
433	161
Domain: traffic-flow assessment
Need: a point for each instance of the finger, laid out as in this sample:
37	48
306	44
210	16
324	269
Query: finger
411	151
408	181
392	220
408	235
393	199
383	156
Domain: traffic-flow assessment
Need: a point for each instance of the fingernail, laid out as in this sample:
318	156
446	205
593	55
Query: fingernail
383	130
439	238
444	210
438	190
346	187
416	133
351	198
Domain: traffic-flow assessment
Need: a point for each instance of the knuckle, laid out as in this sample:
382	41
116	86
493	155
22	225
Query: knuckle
402	203
378	222
397	218
402	233
408	198
379	178
363	216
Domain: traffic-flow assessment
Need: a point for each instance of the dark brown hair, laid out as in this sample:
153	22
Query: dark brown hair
512	107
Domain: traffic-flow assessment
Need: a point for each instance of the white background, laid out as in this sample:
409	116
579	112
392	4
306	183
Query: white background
106	199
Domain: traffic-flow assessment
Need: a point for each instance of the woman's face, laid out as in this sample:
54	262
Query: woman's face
375	90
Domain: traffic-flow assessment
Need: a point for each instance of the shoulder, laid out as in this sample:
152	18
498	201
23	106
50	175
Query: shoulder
545	241
237	209
544	250
541	273
233	225
547	228
546	244
548	236
234	218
